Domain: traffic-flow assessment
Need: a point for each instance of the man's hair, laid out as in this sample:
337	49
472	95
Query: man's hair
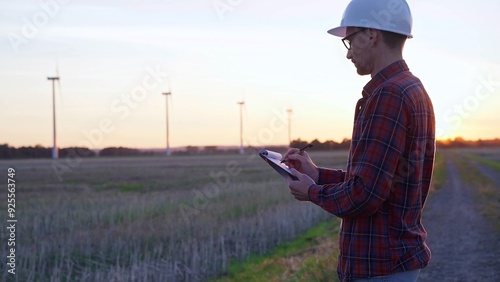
393	40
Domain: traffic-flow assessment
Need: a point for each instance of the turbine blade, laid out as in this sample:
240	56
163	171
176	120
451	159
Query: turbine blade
60	94
59	88
244	104
171	94
57	68
243	100
171	101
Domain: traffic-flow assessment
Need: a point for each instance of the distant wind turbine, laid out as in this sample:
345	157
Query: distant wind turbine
289	111
55	153
241	103
167	95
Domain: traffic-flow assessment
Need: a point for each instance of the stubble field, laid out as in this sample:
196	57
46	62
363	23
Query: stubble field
191	218
149	218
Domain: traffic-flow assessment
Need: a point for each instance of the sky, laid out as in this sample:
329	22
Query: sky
116	58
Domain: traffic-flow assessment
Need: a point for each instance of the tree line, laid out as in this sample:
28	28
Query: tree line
38	151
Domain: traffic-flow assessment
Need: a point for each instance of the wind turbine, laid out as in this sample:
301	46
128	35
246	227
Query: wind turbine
167	95
289	111
55	153
241	103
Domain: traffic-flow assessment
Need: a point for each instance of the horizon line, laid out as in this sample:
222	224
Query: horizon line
458	138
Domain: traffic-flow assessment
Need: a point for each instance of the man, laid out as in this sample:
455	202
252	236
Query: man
381	194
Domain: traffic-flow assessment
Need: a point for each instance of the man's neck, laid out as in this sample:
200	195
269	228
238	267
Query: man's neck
384	60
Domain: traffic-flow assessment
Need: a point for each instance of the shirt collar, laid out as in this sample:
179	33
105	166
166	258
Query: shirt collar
386	73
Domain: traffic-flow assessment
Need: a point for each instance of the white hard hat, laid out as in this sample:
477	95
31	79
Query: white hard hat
389	15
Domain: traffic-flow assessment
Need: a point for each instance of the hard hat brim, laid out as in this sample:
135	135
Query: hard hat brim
341	31
338	31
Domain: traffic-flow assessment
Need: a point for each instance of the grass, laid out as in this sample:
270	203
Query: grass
124	187
494	164
310	257
487	192
439	174
151	218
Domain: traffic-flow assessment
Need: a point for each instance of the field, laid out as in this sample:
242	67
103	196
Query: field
149	218
223	218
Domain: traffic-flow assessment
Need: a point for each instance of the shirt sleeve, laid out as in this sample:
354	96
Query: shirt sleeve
328	176
379	132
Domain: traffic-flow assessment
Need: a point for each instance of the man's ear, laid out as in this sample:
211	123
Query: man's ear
364	40
374	36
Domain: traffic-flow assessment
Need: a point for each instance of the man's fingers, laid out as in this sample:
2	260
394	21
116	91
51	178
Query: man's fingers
297	157
290	152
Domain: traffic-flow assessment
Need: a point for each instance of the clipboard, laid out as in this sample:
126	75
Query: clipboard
274	160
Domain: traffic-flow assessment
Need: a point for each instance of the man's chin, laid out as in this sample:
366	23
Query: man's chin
359	70
362	71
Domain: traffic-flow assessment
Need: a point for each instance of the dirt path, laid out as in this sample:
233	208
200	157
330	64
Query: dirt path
463	246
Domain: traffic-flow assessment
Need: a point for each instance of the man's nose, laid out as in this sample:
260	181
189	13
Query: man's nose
349	55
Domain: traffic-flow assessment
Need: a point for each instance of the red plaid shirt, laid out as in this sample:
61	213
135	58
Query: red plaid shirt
381	194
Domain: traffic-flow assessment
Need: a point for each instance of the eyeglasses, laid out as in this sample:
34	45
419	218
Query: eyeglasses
347	40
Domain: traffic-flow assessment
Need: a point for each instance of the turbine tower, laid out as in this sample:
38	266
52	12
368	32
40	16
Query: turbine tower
167	94
54	147
241	103
289	111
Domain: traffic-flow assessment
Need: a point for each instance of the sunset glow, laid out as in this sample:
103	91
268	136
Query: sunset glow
115	58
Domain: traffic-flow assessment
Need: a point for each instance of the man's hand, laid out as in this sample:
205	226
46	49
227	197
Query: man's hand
300	188
302	163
